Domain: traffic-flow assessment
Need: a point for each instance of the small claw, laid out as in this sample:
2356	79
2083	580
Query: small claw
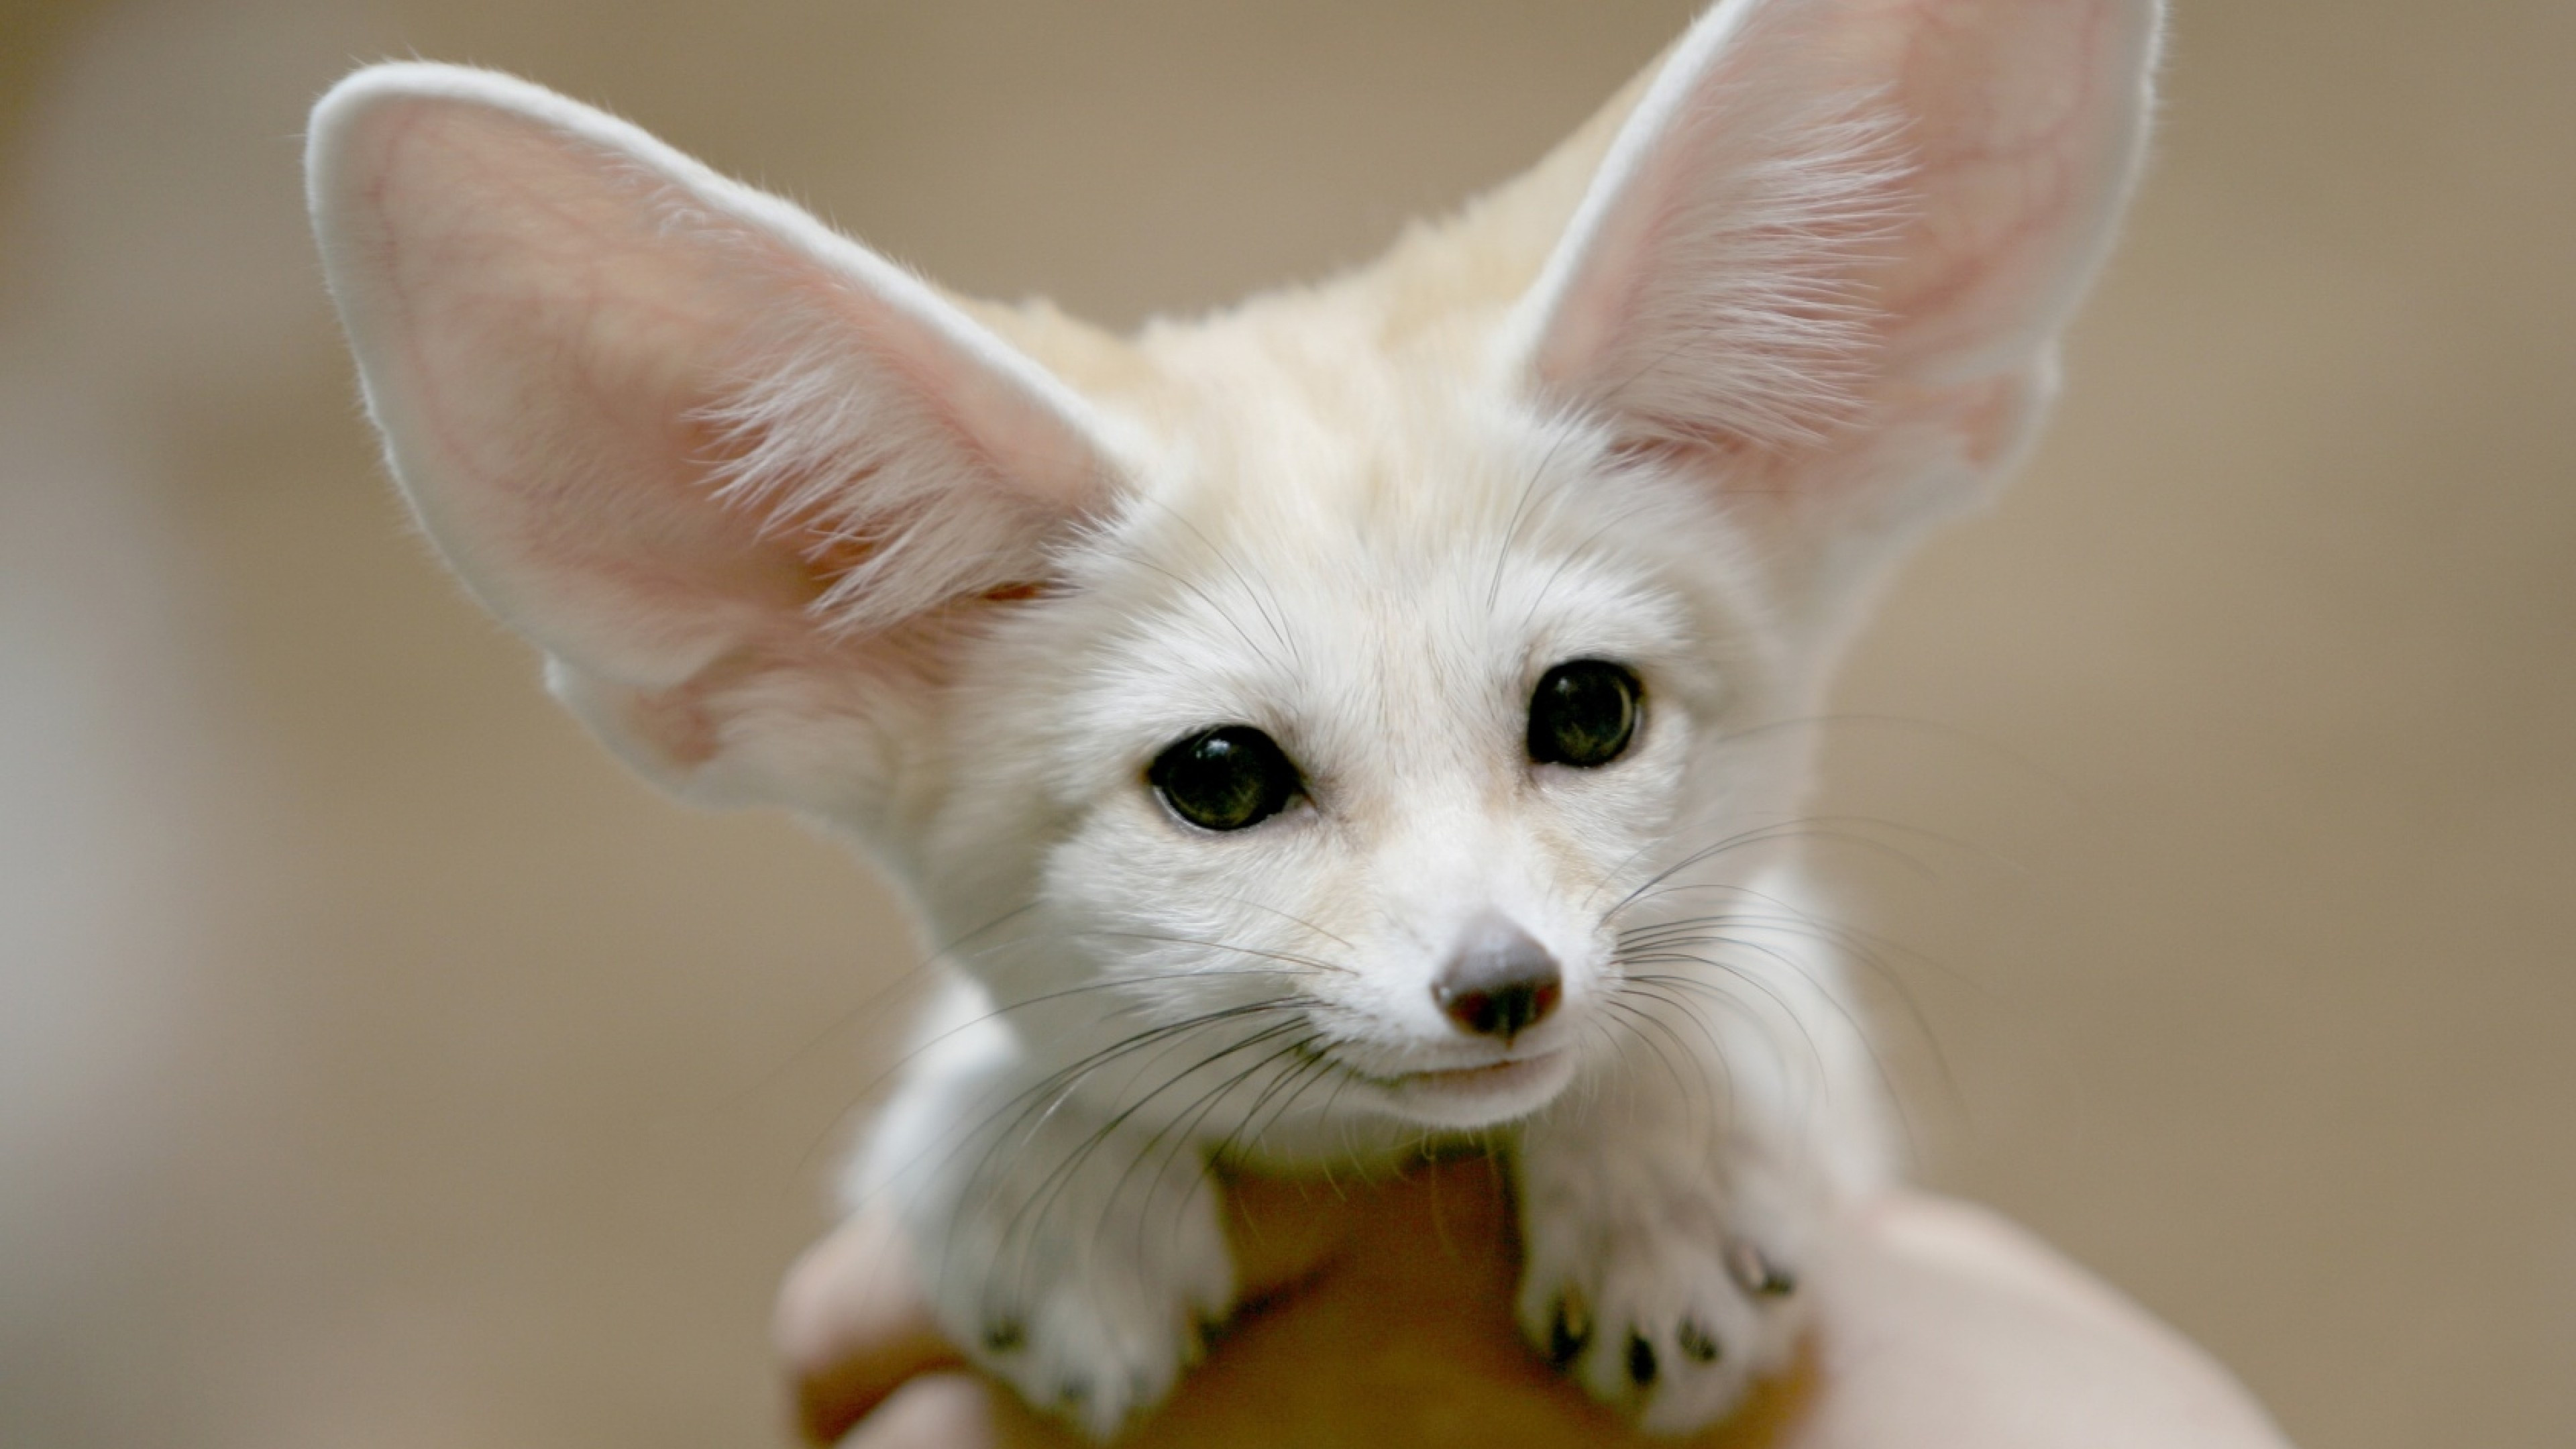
1696	1343
1755	1273
1568	1330
1641	1360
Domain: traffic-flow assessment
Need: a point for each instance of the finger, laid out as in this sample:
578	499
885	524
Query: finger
853	1327
1944	1325
934	1411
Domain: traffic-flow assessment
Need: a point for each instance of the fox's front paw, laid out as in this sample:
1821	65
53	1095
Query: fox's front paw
1653	1291
1100	1346
1090	1305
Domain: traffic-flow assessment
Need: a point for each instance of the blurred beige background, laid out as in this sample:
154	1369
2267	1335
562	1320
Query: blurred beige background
379	1066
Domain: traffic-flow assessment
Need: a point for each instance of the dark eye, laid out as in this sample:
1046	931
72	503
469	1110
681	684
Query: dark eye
1583	712
1226	779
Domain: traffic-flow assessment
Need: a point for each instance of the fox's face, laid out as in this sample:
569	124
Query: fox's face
1387	662
1390	705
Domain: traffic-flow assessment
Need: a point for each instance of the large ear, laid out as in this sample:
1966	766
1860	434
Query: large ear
1826	258
735	474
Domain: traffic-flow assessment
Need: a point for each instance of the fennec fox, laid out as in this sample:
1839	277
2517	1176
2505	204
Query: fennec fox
1359	720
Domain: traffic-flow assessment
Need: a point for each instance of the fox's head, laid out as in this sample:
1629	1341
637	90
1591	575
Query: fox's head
1406	649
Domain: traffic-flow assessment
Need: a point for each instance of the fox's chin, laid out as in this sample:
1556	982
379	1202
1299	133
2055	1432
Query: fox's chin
1468	1098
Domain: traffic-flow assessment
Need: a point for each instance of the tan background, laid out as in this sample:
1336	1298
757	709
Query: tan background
378	1066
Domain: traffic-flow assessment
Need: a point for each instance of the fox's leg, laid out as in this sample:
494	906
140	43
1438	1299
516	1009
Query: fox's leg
1669	1209
1071	1254
1663	1276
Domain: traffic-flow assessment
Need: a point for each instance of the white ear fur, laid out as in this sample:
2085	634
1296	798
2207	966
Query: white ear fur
700	448
1826	258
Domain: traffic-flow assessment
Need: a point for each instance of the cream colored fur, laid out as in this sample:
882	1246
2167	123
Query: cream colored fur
795	529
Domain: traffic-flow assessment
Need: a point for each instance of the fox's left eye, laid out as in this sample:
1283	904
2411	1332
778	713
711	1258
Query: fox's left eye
1226	779
1583	713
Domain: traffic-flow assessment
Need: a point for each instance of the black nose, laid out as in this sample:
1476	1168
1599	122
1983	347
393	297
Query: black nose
1499	982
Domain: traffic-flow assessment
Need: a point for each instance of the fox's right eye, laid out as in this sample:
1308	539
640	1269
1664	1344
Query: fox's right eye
1226	779
1583	713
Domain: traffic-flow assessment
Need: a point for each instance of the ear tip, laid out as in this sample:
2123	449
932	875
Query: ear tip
336	140
351	142
349	102
371	96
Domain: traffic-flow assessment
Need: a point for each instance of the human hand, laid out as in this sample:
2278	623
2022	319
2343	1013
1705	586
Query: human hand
1381	1313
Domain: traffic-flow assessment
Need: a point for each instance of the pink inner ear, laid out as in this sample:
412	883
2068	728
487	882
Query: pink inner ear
1822	210
2019	159
653	417
537	357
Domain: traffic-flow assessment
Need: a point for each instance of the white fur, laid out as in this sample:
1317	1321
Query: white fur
794	528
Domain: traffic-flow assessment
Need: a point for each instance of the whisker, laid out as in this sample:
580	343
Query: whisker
1286	957
1063	1081
1512	528
1852	944
1195	1116
870	1087
1061	1176
1879	1068
1263	598
1291	917
1618	518
873	1002
1820	827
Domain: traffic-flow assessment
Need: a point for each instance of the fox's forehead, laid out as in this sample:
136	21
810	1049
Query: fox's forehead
1295	433
1349	550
